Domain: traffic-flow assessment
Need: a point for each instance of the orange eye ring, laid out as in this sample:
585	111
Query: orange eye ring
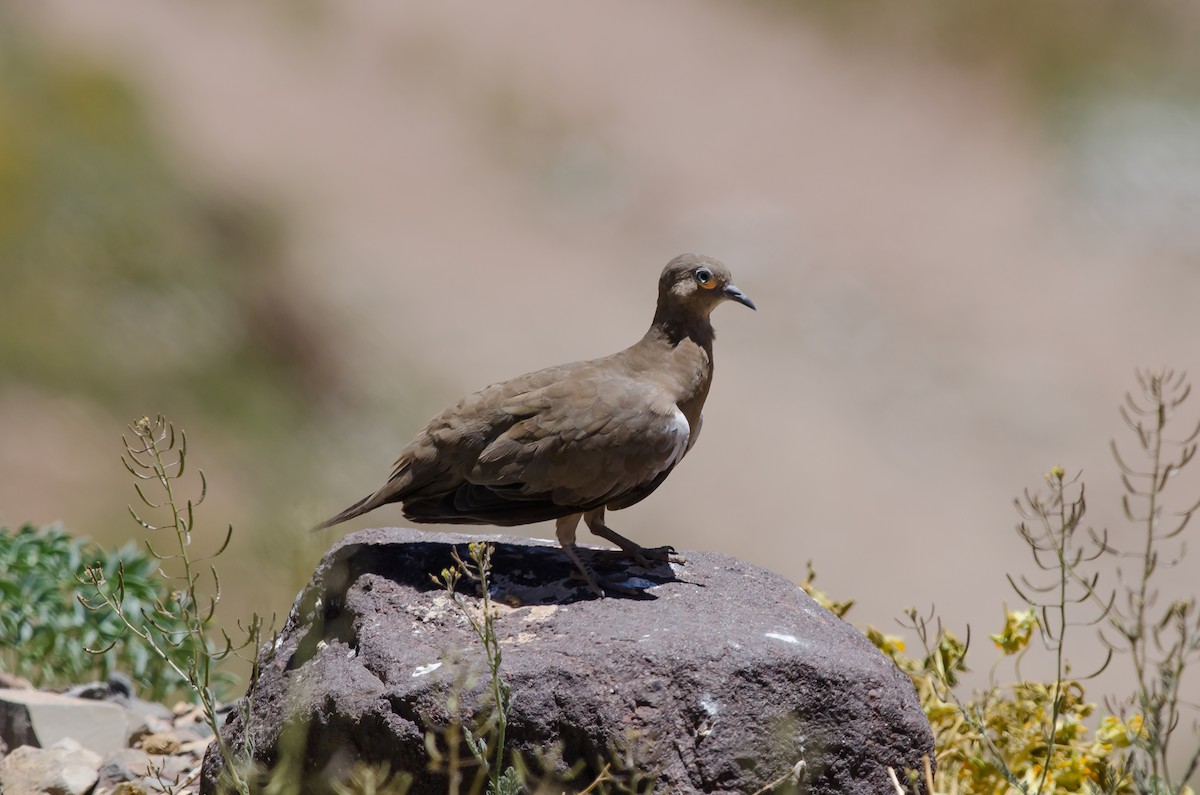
704	277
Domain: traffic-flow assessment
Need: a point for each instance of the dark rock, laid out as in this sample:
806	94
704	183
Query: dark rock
722	678
95	691
120	684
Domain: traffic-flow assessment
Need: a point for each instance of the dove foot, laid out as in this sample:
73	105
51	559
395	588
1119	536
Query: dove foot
664	554
640	554
646	557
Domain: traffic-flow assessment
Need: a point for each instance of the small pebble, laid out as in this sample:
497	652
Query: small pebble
164	743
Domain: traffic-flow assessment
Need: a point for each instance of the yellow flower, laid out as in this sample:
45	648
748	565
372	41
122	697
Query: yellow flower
1018	629
891	645
1120	733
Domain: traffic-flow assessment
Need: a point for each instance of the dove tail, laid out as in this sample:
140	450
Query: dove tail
397	489
368	503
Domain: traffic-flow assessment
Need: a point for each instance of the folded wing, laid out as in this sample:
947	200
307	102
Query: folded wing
557	449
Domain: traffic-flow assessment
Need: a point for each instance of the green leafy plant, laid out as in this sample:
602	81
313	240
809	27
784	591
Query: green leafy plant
44	631
179	630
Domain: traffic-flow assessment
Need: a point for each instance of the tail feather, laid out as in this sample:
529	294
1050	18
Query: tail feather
399	488
368	503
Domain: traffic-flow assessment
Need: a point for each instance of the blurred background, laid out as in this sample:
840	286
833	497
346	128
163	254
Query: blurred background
301	228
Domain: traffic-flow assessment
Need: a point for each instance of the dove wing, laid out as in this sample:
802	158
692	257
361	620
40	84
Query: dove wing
584	442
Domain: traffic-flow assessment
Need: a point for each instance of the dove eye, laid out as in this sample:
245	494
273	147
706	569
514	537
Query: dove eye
704	278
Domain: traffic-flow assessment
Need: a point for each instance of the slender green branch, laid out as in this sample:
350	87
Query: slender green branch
158	454
483	625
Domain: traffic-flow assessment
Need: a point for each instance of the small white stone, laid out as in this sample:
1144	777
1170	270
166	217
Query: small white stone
421	670
784	638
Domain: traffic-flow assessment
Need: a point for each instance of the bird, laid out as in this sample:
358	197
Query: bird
572	441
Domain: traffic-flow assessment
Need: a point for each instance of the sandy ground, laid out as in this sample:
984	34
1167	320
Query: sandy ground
493	188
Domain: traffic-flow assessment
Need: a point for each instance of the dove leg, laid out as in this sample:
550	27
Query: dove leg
642	555
565	529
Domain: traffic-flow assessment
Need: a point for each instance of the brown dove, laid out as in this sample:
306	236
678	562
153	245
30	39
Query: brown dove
568	442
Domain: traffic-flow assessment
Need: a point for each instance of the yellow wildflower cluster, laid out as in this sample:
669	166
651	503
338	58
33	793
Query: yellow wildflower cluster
1007	727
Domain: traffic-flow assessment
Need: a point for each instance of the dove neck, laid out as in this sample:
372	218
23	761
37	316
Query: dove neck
675	327
681	349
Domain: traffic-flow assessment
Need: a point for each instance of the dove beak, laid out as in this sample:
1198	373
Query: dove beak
734	294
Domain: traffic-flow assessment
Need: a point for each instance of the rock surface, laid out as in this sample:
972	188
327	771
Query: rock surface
38	718
162	751
66	768
722	679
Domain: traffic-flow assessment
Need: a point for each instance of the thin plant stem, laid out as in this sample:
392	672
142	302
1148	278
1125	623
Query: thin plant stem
159	455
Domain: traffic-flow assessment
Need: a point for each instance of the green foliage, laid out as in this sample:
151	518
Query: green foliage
45	632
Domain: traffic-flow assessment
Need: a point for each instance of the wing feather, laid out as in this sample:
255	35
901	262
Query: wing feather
584	442
544	445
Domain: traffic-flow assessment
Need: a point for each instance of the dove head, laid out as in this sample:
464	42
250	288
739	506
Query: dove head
692	285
